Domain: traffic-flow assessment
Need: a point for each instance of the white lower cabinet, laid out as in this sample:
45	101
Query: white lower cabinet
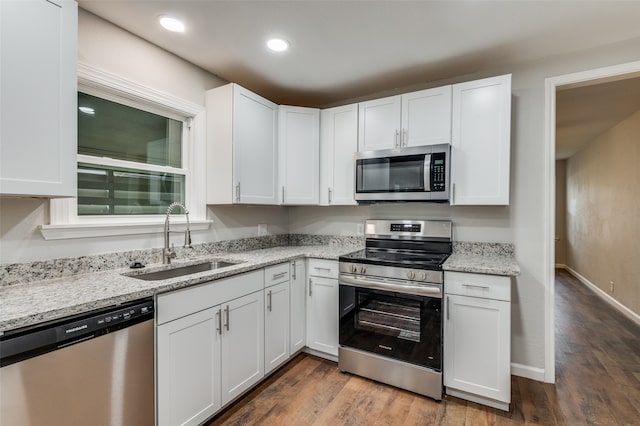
242	344
208	355
276	326
188	359
322	307
298	306
477	338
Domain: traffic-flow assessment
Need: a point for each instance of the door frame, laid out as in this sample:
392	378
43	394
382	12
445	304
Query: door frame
582	78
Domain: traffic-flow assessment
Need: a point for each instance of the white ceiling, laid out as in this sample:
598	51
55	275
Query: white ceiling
343	50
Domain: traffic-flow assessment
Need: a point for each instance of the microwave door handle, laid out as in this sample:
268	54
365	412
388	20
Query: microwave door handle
427	172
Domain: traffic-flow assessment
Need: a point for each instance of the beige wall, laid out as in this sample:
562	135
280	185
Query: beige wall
603	212
561	212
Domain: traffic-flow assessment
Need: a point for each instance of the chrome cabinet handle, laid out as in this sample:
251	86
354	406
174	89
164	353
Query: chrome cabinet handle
238	192
219	316
404	138
269	305
396	139
329	195
293	266
226	310
310	283
278	275
453	193
283	194
476	286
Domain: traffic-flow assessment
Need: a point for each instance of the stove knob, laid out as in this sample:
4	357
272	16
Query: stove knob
411	275
423	276
354	268
362	269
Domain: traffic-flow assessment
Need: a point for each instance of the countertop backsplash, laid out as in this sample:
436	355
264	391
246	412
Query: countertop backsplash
19	273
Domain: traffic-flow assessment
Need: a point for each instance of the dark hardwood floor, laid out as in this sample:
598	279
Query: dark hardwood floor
597	383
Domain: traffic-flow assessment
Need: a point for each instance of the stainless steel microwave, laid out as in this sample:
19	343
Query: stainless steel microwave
419	173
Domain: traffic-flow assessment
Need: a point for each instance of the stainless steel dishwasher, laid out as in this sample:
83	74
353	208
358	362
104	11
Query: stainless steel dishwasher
91	369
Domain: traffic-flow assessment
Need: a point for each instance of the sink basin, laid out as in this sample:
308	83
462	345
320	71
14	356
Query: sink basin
182	270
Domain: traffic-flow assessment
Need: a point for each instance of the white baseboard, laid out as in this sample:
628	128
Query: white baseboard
561	266
527	371
606	297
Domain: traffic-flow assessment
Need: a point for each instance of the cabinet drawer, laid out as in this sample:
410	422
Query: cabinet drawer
180	303
323	268
478	285
276	274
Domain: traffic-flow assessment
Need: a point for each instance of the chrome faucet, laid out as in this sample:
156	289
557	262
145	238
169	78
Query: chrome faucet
169	253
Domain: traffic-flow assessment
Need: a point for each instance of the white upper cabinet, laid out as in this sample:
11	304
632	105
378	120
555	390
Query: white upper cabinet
481	138
38	106
426	117
411	119
299	145
242	147
379	124
338	144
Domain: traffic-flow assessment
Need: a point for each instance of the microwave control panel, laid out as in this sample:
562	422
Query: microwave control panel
438	171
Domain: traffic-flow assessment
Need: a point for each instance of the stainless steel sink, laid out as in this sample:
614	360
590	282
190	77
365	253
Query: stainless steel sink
182	270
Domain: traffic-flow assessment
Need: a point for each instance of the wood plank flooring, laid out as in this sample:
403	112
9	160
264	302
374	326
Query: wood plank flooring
597	383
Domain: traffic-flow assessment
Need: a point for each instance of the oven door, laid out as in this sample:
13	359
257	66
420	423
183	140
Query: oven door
397	325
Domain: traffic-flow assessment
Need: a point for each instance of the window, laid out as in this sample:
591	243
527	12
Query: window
130	161
139	149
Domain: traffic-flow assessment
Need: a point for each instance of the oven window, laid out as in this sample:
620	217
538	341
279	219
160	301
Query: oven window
395	325
398	318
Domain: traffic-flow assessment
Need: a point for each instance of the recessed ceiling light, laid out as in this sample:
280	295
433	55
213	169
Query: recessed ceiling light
278	44
87	110
172	24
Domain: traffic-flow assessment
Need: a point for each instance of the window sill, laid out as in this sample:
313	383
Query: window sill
91	230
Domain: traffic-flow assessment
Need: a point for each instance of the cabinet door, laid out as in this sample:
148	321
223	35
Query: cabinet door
255	148
322	321
426	117
38	106
299	145
379	124
298	303
338	144
188	369
480	144
242	344
276	326
477	346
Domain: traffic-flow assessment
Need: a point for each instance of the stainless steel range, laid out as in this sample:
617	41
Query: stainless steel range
391	304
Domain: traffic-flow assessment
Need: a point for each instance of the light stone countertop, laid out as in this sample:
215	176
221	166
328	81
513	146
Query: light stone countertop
482	264
27	304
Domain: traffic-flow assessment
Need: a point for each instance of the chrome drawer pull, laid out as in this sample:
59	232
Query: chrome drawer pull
476	286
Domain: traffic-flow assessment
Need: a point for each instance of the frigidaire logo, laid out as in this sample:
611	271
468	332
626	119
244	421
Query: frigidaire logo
385	347
74	329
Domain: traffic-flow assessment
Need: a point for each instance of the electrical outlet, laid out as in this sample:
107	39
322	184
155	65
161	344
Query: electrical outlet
262	230
611	286
360	229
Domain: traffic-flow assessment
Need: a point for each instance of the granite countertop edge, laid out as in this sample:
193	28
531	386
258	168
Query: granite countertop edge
503	265
24	305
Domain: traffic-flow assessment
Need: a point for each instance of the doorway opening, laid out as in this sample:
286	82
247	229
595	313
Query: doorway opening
554	85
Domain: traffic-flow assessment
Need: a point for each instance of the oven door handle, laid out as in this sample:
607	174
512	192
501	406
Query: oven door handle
397	287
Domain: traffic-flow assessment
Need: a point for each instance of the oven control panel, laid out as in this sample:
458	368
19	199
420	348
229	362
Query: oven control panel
397	273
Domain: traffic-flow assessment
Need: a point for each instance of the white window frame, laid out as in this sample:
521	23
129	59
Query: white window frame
65	222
